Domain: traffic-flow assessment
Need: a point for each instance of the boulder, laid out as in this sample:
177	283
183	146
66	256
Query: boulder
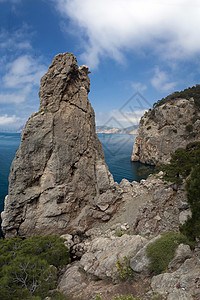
103	253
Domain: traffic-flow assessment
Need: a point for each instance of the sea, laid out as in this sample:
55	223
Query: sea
117	150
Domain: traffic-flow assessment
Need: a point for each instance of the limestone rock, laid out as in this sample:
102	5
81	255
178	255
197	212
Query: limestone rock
59	167
164	129
72	280
140	262
182	253
103	253
165	209
182	284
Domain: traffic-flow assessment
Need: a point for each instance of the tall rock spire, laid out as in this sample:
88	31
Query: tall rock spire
59	169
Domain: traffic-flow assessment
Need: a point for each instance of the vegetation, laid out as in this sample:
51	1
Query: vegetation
145	171
185	164
186	94
119	233
191	228
123	297
128	297
182	162
124	271
189	127
28	268
162	251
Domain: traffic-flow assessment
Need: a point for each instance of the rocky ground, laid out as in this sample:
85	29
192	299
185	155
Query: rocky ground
96	271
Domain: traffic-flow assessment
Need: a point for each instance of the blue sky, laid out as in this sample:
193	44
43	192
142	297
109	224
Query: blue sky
138	51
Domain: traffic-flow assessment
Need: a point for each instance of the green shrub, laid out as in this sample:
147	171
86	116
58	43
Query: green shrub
25	277
123	297
128	297
26	270
162	251
57	295
181	163
98	297
185	163
9	249
185	94
145	171
189	127
124	271
152	115
49	247
149	127
191	228
193	134
119	233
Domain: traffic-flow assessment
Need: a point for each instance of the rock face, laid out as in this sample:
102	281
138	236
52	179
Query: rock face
59	171
164	129
103	253
181	284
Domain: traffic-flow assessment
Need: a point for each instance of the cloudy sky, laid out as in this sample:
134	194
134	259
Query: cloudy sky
138	51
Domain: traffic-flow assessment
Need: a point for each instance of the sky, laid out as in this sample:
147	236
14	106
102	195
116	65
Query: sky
138	51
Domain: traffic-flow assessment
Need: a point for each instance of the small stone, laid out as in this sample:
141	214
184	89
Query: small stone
184	215
123	228
158	218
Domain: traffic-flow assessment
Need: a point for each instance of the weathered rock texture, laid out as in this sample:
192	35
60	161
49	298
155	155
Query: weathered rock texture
164	129
59	176
182	284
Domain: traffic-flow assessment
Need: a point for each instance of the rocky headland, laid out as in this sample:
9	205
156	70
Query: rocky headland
172	123
60	184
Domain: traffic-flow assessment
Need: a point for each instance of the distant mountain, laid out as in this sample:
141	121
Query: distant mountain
20	129
128	130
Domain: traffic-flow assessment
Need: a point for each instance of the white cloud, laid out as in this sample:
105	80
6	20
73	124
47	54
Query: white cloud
15	42
16	96
22	71
111	27
138	86
161	82
9	120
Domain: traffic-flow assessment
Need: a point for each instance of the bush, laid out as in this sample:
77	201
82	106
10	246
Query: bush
185	164
128	297
192	226
189	127
56	295
123	297
181	163
124	271
162	251
26	270
185	94
49	247
25	277
145	171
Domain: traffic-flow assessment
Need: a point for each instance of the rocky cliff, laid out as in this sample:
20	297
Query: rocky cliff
172	123
59	171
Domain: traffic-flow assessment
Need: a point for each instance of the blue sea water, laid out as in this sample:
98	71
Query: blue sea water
9	143
117	149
